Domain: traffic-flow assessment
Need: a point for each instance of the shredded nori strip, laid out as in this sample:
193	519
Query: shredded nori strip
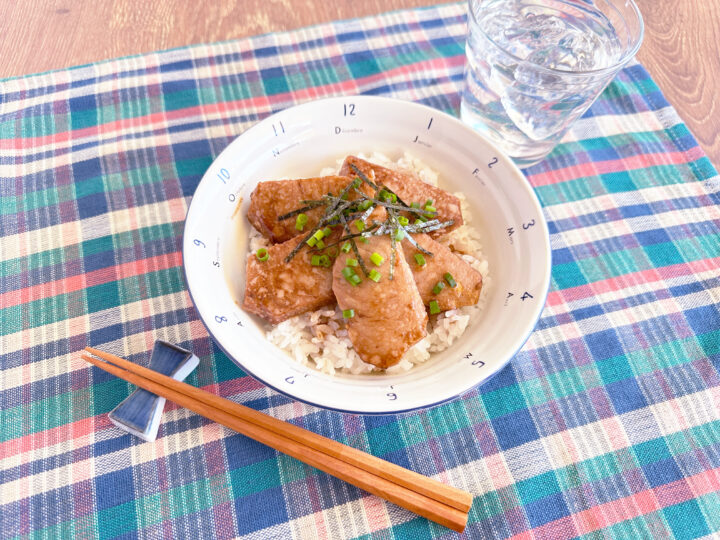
362	177
429	226
301	243
414	243
367	213
340	197
402	207
334	215
391	206
349	217
366	233
399	200
320	224
309	206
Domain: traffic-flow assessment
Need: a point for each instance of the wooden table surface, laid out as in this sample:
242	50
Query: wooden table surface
680	48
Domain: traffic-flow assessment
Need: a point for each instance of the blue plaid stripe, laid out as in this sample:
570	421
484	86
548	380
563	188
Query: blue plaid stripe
611	405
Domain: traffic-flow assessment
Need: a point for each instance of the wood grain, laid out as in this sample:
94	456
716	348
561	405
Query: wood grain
680	48
680	51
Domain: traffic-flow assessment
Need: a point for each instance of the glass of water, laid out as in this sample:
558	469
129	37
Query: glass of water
535	66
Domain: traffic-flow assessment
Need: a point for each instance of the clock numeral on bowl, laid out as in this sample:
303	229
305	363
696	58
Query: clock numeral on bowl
223	175
220	318
199	242
349	109
280	131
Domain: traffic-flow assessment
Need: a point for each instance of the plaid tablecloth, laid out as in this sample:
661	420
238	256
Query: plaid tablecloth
605	425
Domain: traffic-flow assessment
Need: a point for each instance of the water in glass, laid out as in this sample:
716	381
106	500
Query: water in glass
533	67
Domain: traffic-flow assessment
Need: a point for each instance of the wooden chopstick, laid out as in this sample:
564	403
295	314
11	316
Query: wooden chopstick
457	498
223	412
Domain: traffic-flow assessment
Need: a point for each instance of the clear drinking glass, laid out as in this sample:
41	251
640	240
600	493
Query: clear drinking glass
534	66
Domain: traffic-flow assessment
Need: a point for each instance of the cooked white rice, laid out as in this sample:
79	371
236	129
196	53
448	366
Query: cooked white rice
319	339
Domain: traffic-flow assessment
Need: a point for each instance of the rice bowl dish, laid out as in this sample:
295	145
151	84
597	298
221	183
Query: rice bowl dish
319	338
505	210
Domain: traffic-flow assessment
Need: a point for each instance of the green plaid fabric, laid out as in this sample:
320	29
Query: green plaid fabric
605	425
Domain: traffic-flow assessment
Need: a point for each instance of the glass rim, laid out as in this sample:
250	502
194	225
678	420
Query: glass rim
626	56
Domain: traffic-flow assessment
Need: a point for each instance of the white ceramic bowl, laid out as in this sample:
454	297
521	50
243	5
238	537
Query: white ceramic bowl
300	141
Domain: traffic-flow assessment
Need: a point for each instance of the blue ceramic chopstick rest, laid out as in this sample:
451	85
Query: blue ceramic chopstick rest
139	414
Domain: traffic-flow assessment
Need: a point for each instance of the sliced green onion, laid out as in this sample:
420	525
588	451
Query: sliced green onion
374	275
402	220
365	204
348	313
418	221
319	235
359	225
420	259
450	280
434	307
377	258
388	196
320	244
346	247
356	183
300	221
399	234
429	202
363	240
333	251
430	208
350	276
262	254
311	241
327	231
422	218
414	205
325	261
351	262
315	260
439	286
